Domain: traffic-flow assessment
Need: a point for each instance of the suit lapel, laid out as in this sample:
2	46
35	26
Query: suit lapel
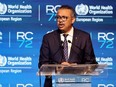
74	42
58	45
57	37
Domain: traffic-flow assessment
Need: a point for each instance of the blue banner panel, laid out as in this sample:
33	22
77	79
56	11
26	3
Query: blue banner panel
24	22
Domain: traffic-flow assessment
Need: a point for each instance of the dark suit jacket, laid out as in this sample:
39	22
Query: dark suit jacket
81	51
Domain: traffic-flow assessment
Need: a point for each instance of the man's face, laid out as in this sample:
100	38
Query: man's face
65	20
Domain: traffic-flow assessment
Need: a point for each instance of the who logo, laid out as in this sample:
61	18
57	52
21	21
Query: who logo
3	8
3	60
82	9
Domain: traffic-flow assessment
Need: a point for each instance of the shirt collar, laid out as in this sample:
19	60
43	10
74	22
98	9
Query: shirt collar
70	33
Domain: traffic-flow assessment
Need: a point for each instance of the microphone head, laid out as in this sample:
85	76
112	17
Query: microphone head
62	44
69	41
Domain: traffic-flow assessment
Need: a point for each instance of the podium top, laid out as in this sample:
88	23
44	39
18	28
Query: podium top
79	69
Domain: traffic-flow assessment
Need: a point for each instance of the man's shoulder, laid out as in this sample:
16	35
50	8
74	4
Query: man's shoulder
81	32
51	33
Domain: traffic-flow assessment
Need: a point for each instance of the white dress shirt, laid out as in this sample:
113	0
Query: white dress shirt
69	38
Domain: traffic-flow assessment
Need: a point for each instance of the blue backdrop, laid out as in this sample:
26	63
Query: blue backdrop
24	22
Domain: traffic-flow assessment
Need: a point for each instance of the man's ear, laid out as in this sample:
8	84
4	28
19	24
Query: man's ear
73	20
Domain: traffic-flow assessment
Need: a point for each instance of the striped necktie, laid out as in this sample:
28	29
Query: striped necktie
65	45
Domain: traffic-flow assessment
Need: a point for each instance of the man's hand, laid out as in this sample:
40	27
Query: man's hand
65	63
68	64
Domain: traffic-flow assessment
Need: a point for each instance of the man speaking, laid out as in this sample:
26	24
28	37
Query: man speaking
66	45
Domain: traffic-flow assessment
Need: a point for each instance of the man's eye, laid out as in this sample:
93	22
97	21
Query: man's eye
64	17
58	17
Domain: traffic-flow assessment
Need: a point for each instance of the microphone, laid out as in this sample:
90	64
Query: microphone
61	45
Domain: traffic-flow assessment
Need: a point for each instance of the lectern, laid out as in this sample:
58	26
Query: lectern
72	75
